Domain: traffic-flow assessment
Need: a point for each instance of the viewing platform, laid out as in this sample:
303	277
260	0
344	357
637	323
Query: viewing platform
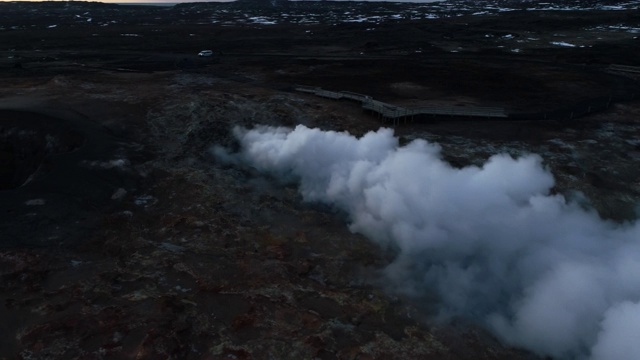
396	113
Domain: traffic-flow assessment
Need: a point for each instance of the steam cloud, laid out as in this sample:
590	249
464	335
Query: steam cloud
490	242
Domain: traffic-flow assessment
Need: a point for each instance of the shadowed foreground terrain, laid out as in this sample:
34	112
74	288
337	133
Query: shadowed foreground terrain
121	236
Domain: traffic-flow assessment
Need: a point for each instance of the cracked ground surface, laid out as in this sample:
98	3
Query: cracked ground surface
185	258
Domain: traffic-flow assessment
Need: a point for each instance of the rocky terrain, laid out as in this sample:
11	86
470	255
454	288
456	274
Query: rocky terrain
121	236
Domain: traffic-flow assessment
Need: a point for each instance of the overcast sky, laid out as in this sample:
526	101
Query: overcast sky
188	1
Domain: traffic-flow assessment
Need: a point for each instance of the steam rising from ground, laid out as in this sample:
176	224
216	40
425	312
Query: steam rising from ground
491	242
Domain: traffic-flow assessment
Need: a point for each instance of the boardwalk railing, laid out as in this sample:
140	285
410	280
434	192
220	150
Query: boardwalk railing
393	112
625	68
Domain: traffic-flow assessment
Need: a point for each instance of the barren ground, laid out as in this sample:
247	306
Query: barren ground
121	237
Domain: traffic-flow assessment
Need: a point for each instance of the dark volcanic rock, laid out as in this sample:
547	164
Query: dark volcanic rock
121	235
59	175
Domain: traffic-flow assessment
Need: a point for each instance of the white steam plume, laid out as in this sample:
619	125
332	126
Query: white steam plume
491	242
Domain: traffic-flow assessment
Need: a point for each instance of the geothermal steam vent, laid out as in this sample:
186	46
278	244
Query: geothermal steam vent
491	242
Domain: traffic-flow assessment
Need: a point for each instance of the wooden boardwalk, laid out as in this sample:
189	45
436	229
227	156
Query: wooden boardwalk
395	113
625	68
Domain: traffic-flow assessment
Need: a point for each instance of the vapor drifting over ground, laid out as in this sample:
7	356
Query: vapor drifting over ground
491	243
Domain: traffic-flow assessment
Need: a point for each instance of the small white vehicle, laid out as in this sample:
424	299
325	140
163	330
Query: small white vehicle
205	53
